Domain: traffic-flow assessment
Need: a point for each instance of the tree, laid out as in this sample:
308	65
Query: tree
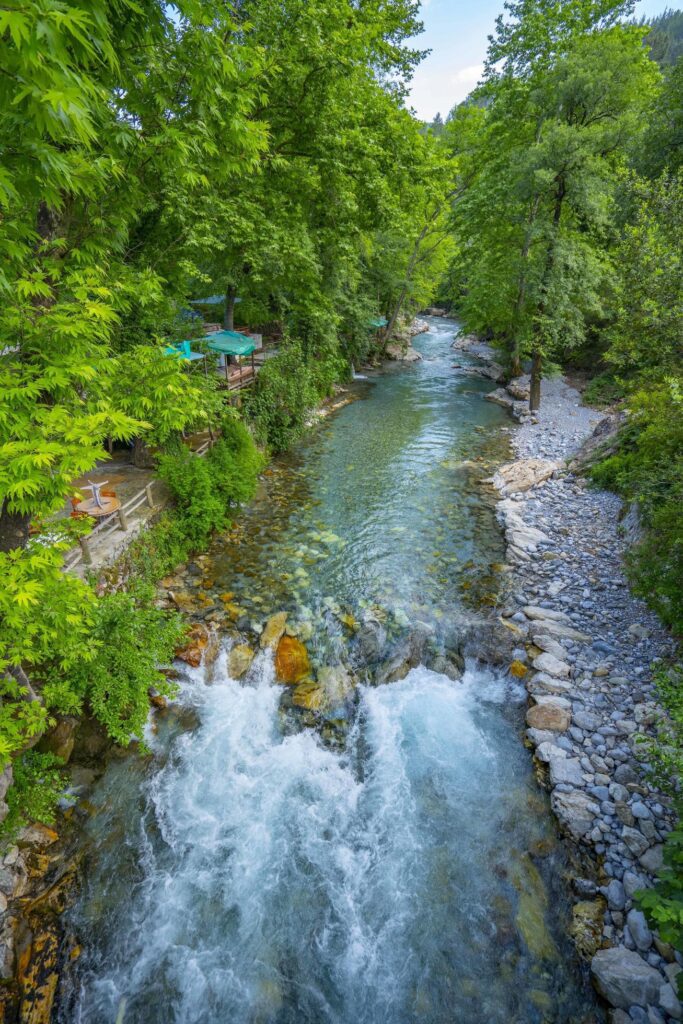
563	100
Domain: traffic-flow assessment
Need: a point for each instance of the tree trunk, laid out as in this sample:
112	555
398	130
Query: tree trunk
13	529
537	364
535	387
389	330
142	456
229	314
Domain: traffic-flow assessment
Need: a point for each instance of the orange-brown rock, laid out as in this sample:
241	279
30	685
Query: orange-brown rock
308	695
38	977
517	669
196	642
291	660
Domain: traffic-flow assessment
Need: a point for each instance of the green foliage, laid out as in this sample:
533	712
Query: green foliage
286	392
207	490
132	638
37	786
663	904
648	469
603	390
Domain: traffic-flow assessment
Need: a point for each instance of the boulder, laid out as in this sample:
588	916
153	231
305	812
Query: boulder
624	979
519	388
197	640
273	630
418	327
403	353
533	611
291	660
653	859
337	684
500	397
575	811
435	311
60	739
551	665
239	660
549	715
560	631
520	476
308	695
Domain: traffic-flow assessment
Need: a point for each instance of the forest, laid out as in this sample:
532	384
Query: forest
267	153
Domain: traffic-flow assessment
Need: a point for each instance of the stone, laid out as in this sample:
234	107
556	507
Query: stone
533	611
640	933
575	811
500	397
239	660
549	664
520	476
653	859
546	643
550	716
60	739
196	642
403	353
624	979
337	684
560	630
616	897
587	720
308	695
669	1002
635	840
291	660
566	770
273	630
37	835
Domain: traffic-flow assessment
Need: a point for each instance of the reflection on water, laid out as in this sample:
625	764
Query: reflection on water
251	875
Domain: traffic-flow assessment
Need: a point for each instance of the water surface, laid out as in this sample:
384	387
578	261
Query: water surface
252	873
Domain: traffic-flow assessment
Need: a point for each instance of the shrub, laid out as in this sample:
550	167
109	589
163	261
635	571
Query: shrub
199	505
206	490
133	638
648	469
38	782
282	398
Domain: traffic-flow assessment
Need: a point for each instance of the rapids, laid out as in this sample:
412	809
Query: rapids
247	873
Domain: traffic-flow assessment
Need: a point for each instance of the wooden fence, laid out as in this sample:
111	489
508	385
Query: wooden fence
118	521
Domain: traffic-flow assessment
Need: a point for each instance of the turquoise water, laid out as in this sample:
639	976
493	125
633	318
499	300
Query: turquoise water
248	873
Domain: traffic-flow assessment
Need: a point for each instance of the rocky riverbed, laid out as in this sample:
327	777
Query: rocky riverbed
587	648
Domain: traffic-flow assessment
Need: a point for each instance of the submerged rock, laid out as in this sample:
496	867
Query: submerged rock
273	630
291	660
308	695
239	660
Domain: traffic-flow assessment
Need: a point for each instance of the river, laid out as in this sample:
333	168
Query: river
395	864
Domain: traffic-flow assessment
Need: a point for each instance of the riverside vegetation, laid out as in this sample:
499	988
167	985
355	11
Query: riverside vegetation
267	154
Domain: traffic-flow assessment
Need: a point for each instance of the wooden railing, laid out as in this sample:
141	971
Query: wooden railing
119	521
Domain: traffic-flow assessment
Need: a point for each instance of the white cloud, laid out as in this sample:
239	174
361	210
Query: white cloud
468	76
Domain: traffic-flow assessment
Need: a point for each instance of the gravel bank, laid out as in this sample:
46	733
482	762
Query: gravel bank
588	646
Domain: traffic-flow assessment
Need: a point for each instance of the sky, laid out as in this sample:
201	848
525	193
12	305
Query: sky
456	32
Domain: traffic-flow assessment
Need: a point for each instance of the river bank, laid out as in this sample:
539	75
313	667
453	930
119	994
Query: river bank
589	647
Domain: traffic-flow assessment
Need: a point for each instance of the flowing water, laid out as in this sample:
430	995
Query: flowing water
399	867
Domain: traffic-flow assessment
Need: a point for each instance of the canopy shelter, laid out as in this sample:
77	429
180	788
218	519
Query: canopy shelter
232	343
377	322
211	300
